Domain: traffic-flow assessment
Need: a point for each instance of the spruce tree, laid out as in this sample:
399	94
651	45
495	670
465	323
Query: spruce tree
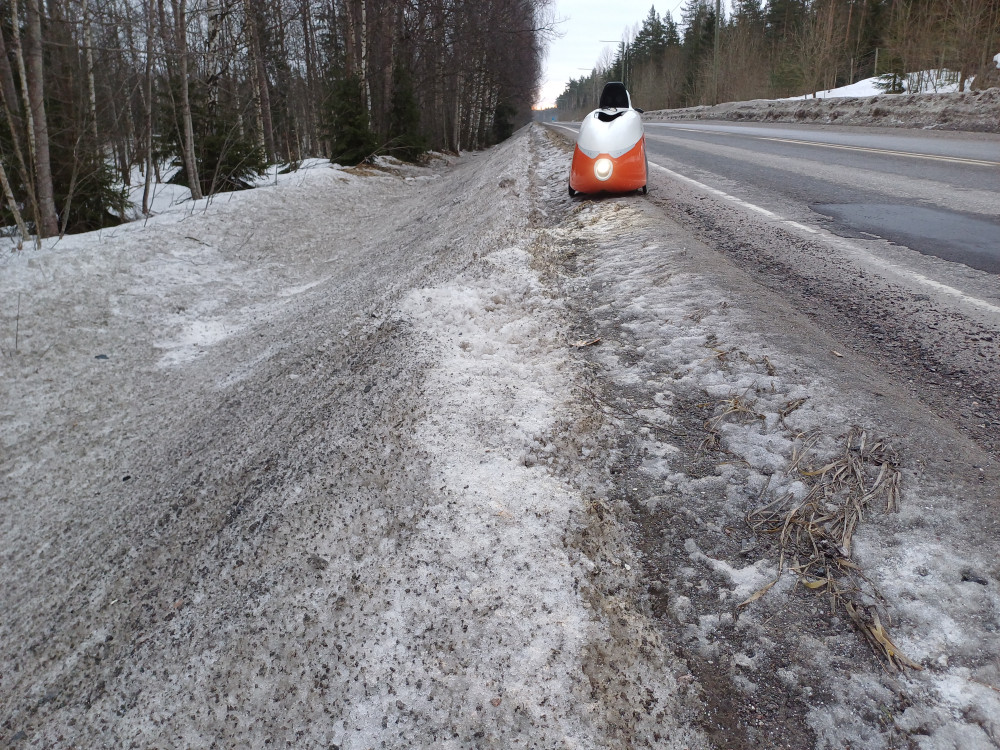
347	124
225	157
651	40
405	139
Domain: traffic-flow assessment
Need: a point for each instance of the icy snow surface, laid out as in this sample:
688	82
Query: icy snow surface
923	82
409	457
294	467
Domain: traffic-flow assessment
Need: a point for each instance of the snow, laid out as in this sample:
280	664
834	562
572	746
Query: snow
315	464
291	465
166	197
927	81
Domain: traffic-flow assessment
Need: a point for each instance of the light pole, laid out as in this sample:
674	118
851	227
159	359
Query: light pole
715	62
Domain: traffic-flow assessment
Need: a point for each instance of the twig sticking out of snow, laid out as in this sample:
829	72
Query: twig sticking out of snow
815	532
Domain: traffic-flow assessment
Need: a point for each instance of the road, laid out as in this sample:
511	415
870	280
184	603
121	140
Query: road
891	238
938	194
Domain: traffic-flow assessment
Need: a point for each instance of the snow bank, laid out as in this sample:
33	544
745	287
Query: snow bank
299	466
921	82
972	110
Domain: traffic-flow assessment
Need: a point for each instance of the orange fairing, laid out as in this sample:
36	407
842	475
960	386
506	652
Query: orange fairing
628	171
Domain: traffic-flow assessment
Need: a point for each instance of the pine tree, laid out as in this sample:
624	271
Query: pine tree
699	34
750	12
671	36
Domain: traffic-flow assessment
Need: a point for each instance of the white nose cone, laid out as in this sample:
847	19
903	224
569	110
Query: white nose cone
602	169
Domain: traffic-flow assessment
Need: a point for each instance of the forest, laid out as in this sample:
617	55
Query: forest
778	48
99	95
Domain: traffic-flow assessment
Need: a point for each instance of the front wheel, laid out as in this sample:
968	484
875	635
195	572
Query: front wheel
572	192
643	189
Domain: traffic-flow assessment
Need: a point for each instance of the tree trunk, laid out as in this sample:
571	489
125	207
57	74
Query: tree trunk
215	17
8	90
457	125
190	163
147	106
312	94
89	57
260	85
365	85
48	219
350	40
11	109
12	205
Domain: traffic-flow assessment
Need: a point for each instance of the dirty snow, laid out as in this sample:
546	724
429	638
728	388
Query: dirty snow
324	464
944	110
295	466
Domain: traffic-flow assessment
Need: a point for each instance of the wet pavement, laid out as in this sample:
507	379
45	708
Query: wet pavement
948	235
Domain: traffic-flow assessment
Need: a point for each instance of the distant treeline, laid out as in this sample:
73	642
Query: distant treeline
777	48
92	89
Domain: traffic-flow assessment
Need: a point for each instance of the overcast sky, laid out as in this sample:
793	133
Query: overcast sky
583	23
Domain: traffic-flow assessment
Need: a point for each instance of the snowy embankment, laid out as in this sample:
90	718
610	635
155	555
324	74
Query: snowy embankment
416	457
860	104
297	467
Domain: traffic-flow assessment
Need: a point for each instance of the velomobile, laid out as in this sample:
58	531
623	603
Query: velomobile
610	153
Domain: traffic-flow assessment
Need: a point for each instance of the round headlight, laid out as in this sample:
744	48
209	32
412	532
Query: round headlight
602	169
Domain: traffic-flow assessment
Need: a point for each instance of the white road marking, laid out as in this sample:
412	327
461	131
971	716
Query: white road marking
803	227
562	127
887	152
833	239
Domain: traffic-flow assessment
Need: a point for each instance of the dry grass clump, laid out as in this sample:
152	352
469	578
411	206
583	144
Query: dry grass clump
815	531
739	407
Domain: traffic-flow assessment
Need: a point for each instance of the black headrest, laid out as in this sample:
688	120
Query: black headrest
614	96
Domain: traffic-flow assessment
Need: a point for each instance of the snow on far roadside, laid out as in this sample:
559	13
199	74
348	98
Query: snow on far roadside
927	81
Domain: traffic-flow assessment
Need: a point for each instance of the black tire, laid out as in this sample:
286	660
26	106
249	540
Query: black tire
643	189
572	192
